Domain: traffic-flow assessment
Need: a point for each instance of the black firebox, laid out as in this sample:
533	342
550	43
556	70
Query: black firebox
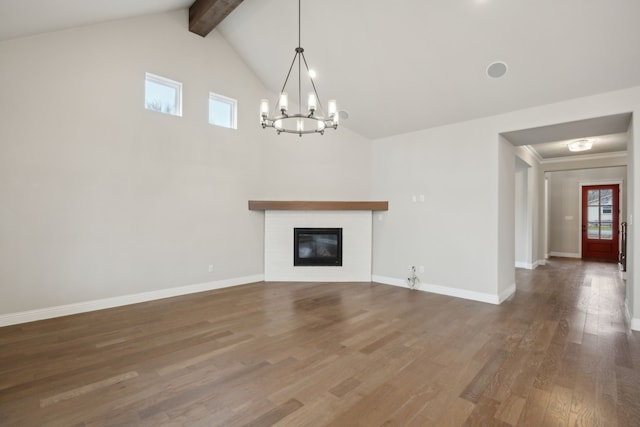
317	247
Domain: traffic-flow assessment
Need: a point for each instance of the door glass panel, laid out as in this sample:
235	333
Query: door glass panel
600	221
600	214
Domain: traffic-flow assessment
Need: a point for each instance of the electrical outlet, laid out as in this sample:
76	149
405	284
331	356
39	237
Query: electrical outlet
422	197
210	268
414	199
422	269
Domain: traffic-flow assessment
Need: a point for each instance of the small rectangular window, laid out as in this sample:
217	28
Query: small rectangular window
223	111
163	95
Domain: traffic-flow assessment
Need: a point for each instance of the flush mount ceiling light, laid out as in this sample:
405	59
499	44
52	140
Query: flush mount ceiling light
314	120
580	145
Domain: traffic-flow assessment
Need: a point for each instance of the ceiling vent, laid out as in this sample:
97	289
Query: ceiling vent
497	69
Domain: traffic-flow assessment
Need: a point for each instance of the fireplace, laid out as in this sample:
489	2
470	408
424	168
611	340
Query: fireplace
317	247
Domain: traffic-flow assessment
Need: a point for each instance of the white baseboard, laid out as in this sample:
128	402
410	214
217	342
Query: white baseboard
445	290
502	296
565	254
541	262
635	323
529	266
525	265
83	307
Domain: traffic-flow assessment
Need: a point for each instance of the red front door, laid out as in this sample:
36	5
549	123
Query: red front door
600	211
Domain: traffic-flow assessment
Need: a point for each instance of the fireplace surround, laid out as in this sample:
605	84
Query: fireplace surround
281	217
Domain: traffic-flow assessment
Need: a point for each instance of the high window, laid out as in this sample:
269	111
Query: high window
162	95
223	111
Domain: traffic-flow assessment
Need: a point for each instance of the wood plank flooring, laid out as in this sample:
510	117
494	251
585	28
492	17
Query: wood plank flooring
559	352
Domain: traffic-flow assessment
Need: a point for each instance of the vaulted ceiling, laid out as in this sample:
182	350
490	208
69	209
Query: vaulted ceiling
397	67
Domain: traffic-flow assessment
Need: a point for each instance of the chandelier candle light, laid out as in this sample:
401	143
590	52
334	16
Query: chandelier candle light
314	120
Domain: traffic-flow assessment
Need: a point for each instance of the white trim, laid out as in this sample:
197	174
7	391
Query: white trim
163	81
452	292
504	295
526	265
565	254
635	324
389	281
85	306
584	157
533	152
233	103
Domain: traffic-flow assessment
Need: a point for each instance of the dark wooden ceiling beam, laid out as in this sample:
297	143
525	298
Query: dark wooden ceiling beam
205	15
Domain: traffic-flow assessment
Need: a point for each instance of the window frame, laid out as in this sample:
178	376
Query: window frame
164	81
216	97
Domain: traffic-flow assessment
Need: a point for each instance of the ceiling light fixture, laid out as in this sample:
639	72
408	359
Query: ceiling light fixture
314	120
580	145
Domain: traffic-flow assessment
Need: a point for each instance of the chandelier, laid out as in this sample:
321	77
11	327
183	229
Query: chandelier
314	119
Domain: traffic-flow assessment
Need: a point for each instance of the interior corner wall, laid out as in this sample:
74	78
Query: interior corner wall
333	166
102	198
506	189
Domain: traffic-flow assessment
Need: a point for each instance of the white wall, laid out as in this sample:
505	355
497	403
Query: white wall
565	209
454	234
102	198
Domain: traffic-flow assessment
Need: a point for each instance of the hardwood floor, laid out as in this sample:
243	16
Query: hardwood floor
315	354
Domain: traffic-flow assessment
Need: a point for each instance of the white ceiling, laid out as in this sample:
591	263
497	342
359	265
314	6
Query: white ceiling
608	135
20	18
602	144
398	67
